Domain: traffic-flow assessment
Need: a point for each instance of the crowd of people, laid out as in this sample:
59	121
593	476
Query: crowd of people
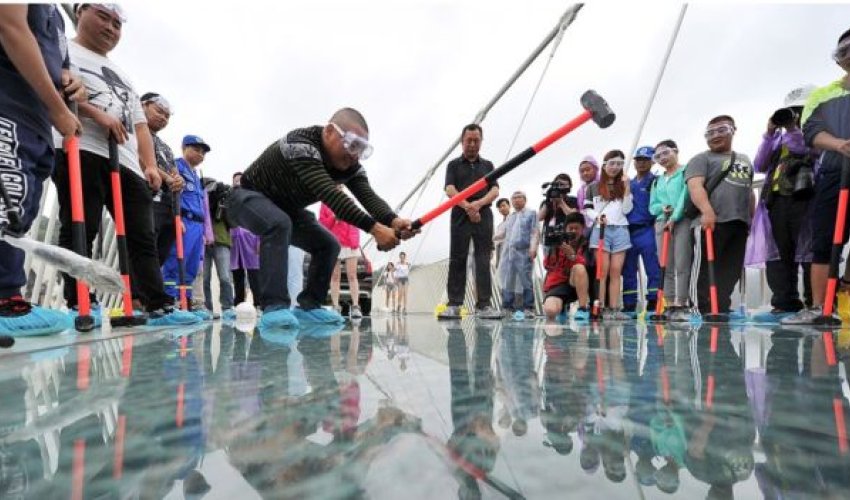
180	223
703	212
594	244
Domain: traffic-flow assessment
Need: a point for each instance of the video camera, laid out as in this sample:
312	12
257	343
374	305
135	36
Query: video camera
785	117
556	190
556	234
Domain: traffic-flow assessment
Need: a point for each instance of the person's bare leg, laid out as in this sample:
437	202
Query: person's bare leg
335	277
402	297
353	284
579	281
552	307
614	276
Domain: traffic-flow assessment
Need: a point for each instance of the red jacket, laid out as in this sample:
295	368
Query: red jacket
347	235
558	267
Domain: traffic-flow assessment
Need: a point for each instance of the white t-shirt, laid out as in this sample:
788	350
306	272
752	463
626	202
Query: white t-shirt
402	270
111	91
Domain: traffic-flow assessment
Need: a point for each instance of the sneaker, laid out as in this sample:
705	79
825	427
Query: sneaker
279	318
582	315
19	318
615	315
317	315
488	312
355	312
168	316
806	317
679	315
228	315
530	314
450	312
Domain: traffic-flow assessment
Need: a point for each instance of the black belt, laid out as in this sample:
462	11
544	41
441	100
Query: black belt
192	217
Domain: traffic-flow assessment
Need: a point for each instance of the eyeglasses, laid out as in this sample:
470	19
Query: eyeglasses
721	131
354	144
615	162
842	52
663	153
162	102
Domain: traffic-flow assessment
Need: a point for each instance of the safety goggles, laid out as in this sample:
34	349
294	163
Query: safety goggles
615	162
354	144
720	131
162	102
842	52
663	154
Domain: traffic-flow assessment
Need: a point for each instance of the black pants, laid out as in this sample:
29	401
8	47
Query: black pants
239	285
730	245
481	234
786	219
138	218
163	228
277	230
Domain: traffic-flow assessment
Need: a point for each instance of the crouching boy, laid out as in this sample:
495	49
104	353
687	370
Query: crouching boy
566	274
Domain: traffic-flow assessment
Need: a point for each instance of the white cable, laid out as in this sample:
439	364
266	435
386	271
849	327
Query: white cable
651	100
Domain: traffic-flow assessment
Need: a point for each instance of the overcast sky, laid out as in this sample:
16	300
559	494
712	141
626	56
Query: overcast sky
243	74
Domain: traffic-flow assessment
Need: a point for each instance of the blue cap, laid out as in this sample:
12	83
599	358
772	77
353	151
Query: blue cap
194	140
645	152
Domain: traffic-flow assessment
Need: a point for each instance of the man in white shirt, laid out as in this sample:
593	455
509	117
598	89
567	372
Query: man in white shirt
114	109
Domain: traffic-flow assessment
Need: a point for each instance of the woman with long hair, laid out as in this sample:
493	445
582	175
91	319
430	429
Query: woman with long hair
607	203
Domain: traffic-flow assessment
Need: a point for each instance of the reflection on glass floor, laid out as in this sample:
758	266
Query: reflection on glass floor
408	407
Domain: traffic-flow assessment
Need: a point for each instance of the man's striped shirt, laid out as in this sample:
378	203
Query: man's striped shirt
296	171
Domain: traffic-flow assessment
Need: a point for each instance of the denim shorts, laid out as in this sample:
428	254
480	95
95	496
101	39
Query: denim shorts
616	238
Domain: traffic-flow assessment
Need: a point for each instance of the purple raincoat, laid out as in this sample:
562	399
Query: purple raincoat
244	252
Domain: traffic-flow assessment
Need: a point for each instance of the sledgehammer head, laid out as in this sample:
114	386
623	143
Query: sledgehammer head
599	109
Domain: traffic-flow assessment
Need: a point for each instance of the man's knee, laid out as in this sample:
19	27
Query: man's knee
552	307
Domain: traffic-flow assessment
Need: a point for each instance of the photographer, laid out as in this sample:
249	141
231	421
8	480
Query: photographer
787	164
566	275
557	203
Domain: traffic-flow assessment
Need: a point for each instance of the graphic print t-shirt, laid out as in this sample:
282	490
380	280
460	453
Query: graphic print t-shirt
110	91
731	199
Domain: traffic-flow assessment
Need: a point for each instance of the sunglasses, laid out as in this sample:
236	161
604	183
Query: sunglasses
354	144
842	52
662	154
615	162
721	131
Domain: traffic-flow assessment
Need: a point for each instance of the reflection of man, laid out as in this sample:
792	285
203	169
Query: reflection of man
473	437
472	221
515	364
721	433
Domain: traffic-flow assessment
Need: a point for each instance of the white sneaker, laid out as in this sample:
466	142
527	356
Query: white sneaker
806	317
355	312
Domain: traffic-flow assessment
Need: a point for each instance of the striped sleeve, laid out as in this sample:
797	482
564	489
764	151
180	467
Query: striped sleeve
374	204
320	185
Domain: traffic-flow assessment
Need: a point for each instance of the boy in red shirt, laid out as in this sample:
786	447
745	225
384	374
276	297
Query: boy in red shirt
566	274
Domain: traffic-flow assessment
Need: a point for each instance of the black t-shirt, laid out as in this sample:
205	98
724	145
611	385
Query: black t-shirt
462	173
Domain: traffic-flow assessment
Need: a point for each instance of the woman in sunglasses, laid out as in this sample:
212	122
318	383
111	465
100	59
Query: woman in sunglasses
667	204
607	203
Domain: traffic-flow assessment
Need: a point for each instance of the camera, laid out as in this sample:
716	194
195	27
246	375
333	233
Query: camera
556	190
556	234
785	117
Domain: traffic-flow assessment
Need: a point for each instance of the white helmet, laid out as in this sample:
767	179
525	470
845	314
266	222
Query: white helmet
798	96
